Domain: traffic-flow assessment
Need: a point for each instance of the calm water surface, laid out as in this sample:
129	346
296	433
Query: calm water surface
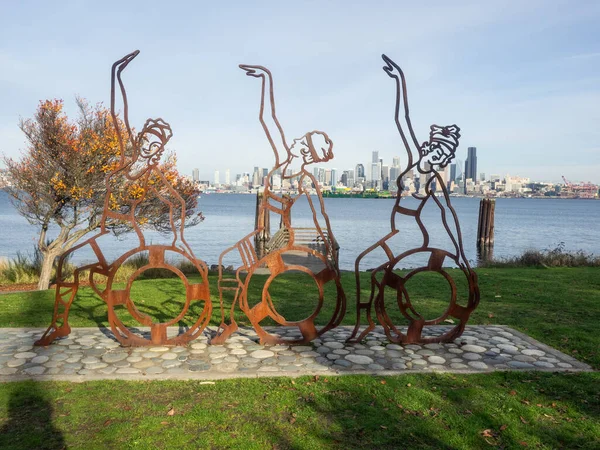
520	224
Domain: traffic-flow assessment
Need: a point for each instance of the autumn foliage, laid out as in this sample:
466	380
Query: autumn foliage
68	169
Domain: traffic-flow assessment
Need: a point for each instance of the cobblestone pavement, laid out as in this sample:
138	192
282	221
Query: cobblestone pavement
92	353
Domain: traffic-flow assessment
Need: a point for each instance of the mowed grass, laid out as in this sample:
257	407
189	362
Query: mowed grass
560	307
500	410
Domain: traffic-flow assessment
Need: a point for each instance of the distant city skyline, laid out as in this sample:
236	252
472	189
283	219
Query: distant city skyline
383	177
520	79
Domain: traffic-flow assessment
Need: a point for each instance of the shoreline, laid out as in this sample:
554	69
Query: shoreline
388	197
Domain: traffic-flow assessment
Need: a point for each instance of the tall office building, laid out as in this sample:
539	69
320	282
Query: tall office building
385	176
319	174
334	177
375	174
227	176
256	177
459	170
328	177
471	164
359	172
344	178
350	181
396	161
217	178
394	174
375	170
195	175
452	172
444	174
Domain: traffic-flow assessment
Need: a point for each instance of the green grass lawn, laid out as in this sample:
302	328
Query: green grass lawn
498	410
560	307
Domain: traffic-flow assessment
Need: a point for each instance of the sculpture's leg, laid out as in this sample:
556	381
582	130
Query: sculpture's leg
367	306
262	309
394	282
227	329
331	275
65	293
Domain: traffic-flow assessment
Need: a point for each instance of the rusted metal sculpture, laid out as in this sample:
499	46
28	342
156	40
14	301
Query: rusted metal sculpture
317	244
438	151
138	163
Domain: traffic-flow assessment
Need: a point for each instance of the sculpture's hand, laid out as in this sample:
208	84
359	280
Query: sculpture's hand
391	68
255	71
123	62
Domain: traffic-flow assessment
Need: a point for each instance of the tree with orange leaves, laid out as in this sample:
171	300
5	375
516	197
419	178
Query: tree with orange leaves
63	180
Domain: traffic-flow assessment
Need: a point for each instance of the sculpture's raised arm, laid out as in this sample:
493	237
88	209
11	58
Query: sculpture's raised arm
271	125
116	70
402	116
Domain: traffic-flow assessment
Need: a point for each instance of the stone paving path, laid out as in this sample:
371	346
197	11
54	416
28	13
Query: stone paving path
92	353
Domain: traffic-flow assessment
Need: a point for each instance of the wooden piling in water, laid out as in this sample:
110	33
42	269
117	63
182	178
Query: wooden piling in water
262	222
485	227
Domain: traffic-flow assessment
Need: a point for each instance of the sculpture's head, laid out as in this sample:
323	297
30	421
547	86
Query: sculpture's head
441	147
313	147
152	140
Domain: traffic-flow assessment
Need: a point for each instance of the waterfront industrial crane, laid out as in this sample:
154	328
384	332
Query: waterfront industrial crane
580	190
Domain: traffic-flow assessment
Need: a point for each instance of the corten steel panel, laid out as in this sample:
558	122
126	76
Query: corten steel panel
140	155
438	151
289	241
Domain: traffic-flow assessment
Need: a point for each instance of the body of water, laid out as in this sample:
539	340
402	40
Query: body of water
520	224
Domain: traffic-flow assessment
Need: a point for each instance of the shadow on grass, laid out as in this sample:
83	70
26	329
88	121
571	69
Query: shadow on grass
30	420
438	411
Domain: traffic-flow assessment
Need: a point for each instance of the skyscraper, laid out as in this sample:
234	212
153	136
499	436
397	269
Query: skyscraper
359	172
459	170
385	176
327	179
375	157
195	175
256	177
394	174
452	172
217	178
424	178
471	164
227	176
351	180
344	178
375	174
375	170
334	177
396	161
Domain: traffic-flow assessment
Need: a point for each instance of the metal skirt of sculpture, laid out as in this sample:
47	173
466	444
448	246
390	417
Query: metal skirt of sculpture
311	251
137	168
424	158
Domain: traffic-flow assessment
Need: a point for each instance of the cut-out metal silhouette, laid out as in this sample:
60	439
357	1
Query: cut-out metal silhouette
140	155
424	157
312	251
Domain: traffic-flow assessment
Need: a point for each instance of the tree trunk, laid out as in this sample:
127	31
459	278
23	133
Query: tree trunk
46	273
63	242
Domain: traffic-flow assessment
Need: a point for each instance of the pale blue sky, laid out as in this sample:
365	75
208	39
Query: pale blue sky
521	78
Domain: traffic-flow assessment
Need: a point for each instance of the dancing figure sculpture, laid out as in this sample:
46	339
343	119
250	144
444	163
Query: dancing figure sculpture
282	250
139	156
424	157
